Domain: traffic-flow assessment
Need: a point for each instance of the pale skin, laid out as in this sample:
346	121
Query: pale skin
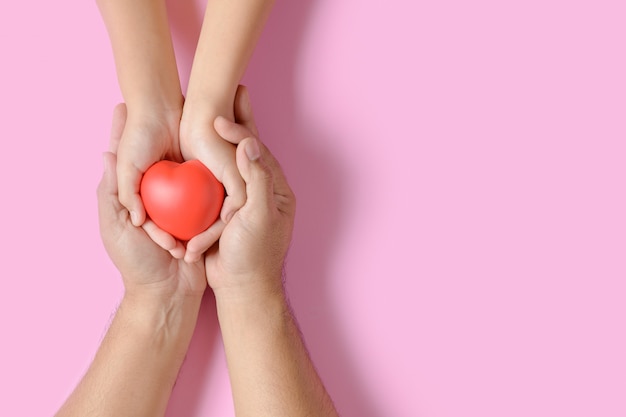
159	125
271	373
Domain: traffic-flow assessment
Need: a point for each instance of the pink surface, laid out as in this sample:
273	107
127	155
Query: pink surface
461	236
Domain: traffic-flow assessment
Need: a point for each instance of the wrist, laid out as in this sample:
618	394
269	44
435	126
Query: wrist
201	112
170	320
154	120
158	109
251	293
211	92
240	309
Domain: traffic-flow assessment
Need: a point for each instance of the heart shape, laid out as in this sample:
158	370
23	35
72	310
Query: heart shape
182	199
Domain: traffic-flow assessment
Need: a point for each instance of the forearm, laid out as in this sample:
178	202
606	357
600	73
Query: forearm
229	35
138	361
270	370
144	54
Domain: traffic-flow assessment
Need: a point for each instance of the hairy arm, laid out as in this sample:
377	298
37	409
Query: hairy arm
270	370
138	360
135	368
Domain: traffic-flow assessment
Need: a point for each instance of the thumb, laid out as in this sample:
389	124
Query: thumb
256	173
129	180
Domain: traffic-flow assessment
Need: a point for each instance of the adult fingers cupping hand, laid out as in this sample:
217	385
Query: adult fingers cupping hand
254	243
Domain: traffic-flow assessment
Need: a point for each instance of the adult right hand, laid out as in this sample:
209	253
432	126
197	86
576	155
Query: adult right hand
249	258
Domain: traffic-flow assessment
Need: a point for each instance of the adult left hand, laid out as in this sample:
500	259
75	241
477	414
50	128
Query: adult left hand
147	269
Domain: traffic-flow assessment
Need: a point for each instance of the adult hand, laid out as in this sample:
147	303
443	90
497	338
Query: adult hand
268	363
249	257
146	268
138	361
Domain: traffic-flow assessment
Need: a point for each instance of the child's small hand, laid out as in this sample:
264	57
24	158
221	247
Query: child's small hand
199	140
147	138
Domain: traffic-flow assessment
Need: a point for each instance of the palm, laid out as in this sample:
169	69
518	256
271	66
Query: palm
144	263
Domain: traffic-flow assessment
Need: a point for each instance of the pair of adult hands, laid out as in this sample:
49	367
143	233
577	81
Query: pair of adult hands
249	256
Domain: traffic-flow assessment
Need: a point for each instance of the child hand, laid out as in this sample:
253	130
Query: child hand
146	138
199	140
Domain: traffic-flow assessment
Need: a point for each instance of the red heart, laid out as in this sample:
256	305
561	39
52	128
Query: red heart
182	199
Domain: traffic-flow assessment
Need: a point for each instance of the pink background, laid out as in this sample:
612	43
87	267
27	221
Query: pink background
461	234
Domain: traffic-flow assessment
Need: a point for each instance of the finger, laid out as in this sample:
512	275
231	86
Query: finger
129	176
235	192
179	251
164	240
117	127
243	110
277	192
199	244
230	131
219	157
159	236
129	181
287	200
256	173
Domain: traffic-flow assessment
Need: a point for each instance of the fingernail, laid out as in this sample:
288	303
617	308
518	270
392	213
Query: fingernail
252	150
134	218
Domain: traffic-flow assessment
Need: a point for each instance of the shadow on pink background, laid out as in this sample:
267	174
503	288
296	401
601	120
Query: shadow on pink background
321	183
296	144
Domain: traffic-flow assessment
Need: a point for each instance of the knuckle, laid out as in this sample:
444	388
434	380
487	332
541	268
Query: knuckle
291	196
265	171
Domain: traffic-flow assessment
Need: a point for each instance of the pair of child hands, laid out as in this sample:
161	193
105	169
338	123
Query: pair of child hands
180	203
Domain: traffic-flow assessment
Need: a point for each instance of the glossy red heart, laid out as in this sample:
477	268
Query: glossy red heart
182	199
